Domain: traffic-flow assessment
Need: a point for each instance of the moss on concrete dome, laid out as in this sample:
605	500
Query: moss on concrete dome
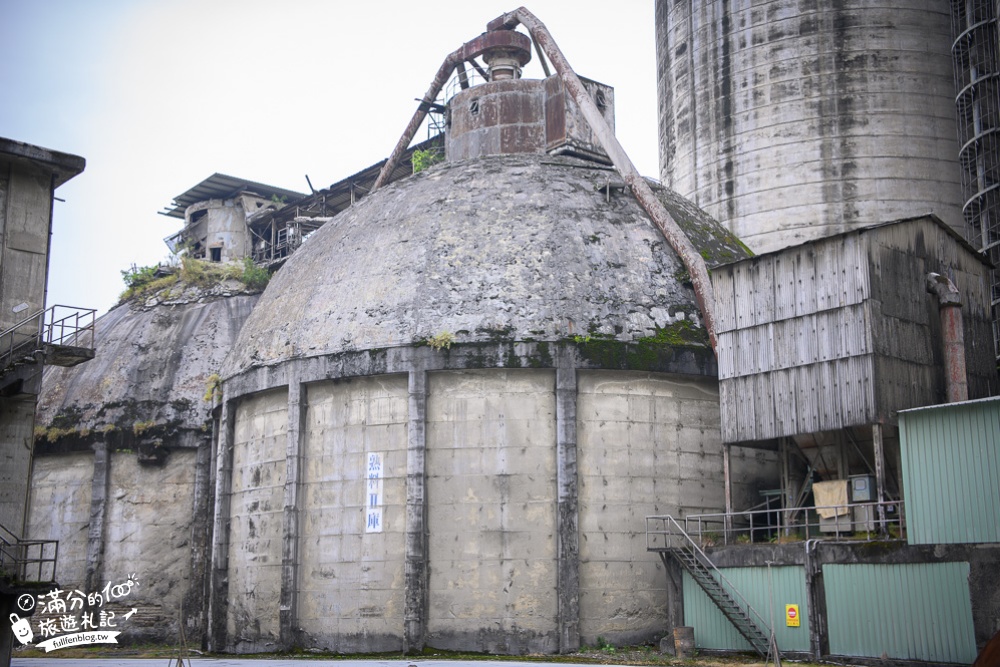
514	247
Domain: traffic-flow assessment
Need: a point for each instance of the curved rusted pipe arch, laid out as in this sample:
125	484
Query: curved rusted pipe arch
675	237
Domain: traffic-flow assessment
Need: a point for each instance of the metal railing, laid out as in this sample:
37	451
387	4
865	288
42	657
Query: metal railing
56	325
27	561
664	533
879	521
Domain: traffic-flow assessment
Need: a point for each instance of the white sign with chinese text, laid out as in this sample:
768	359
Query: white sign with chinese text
373	493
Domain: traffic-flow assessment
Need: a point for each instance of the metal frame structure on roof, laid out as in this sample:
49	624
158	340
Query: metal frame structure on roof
221	186
330	201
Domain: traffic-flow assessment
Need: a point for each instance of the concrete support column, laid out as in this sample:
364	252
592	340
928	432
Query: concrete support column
675	600
415	568
727	481
567	510
195	602
287	609
219	584
98	513
879	448
815	592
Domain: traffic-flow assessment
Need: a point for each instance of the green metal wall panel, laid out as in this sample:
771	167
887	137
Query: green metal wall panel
713	630
909	612
951	472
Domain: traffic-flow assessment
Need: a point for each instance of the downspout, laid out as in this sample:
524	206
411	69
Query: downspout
952	334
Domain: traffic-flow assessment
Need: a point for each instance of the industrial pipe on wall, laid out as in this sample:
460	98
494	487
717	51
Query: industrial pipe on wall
953	336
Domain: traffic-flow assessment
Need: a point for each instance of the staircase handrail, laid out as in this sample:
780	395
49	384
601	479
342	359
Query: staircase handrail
15	558
69	329
707	563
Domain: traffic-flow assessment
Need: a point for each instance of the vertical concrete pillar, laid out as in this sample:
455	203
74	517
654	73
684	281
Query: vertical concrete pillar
415	567
727	481
879	448
201	541
98	512
675	600
567	508
287	610
219	589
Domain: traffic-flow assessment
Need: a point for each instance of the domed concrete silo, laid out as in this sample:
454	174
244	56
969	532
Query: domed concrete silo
790	120
451	410
123	451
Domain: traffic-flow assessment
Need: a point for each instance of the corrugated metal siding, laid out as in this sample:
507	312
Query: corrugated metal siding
713	630
846	324
951	472
907	612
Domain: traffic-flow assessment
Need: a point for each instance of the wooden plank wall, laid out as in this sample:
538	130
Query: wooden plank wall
841	332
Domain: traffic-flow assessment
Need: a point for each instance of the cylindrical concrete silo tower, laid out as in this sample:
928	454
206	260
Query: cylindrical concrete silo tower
445	421
790	120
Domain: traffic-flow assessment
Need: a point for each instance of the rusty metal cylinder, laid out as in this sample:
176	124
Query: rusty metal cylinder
684	642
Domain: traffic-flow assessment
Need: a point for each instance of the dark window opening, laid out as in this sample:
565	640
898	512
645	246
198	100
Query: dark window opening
216	254
474	107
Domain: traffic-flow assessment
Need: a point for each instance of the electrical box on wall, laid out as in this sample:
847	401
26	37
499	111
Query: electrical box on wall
862	489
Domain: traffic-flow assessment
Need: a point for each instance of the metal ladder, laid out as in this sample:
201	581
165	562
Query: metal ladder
678	544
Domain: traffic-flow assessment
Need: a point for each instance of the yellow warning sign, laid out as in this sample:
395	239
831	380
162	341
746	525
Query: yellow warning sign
792	615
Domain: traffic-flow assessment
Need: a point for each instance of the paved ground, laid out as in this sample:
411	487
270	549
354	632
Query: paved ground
282	662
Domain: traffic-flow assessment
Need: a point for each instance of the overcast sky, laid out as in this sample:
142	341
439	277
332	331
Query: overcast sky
159	94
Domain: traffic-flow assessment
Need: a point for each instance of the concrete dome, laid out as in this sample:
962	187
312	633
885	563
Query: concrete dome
123	447
377	492
513	248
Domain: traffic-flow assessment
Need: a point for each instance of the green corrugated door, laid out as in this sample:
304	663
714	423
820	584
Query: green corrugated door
713	630
909	612
951	472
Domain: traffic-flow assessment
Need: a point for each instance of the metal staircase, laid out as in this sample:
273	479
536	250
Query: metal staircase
665	536
58	336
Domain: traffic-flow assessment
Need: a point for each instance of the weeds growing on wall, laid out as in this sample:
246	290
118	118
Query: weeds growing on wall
141	282
422	159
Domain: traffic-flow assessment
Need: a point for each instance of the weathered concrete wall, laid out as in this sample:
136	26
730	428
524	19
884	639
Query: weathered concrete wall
148	533
222	225
16	420
61	484
153	362
491	484
512	248
257	502
25	205
351	593
648	444
789	120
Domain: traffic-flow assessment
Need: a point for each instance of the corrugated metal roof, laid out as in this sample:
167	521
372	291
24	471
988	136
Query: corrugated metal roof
221	186
340	195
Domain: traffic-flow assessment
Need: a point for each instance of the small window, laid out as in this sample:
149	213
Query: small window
216	254
474	106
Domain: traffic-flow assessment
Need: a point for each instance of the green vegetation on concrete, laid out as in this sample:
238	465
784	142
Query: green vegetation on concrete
145	281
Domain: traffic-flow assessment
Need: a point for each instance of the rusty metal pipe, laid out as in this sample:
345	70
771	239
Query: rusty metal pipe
441	78
952	335
689	255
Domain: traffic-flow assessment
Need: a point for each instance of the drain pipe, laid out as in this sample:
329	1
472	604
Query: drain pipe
953	336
